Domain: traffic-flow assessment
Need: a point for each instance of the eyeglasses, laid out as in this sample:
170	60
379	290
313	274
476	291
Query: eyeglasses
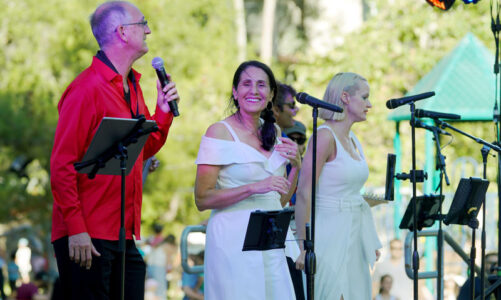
144	23
299	140
291	105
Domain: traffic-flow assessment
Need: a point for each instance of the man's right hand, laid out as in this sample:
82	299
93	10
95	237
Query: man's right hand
81	249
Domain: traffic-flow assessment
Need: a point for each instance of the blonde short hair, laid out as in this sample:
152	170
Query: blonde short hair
341	82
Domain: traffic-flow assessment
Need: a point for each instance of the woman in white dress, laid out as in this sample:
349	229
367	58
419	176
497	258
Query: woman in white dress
346	243
241	168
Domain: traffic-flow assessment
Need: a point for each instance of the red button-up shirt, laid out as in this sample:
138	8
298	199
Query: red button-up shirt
93	205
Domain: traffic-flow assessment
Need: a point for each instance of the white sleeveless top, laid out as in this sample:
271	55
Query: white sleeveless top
342	179
339	186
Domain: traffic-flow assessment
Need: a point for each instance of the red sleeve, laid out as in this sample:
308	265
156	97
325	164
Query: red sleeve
77	120
157	139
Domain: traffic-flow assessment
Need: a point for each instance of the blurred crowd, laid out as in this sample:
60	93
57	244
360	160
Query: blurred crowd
26	276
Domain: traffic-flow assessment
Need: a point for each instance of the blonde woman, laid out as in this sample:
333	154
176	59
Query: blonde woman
346	242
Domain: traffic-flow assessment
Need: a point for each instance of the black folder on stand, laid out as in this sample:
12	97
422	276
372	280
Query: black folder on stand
110	132
267	229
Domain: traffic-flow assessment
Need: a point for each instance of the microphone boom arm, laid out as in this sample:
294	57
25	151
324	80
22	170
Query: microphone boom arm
476	139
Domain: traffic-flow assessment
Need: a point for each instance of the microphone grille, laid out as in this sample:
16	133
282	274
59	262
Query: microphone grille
157	63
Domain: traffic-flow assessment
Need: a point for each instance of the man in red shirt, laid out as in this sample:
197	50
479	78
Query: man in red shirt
86	213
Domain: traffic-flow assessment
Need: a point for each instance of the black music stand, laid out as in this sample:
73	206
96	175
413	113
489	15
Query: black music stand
465	206
267	229
427	212
467	201
113	151
389	190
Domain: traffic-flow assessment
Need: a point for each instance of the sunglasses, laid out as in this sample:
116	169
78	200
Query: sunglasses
299	140
291	105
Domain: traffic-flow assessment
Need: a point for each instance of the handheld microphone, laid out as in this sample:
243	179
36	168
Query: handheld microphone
394	103
158	65
312	101
421	113
420	124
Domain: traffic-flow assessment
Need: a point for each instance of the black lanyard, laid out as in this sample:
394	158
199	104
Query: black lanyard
102	57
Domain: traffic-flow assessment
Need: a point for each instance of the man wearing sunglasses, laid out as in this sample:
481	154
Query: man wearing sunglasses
297	133
86	212
285	108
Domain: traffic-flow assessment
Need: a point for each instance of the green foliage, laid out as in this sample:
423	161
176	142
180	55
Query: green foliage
43	49
44	45
395	47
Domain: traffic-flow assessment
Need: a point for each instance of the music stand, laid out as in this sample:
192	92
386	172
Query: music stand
110	132
467	201
427	212
267	229
464	209
113	151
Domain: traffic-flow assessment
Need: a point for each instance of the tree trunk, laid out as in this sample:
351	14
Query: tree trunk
241	29
267	29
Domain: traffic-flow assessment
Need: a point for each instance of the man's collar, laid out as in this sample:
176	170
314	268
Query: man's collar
102	57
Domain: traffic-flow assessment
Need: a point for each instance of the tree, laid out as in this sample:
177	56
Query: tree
44	45
241	29
267	30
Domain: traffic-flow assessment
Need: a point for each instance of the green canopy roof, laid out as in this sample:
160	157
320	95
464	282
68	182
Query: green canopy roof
463	81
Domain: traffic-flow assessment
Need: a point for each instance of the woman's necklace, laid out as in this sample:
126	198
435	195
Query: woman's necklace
253	131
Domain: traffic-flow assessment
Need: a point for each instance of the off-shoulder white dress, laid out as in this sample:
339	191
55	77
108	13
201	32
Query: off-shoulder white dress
229	272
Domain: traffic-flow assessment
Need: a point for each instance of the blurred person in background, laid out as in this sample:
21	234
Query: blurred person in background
33	290
284	110
2	277
491	263
173	259
451	287
23	259
394	266
297	133
385	285
156	261
13	272
192	284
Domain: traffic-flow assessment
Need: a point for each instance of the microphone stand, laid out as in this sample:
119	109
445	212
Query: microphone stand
309	241
440	165
310	259
485	151
496	28
119	151
415	255
414	176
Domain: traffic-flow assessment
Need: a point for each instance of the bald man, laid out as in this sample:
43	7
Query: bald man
86	213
